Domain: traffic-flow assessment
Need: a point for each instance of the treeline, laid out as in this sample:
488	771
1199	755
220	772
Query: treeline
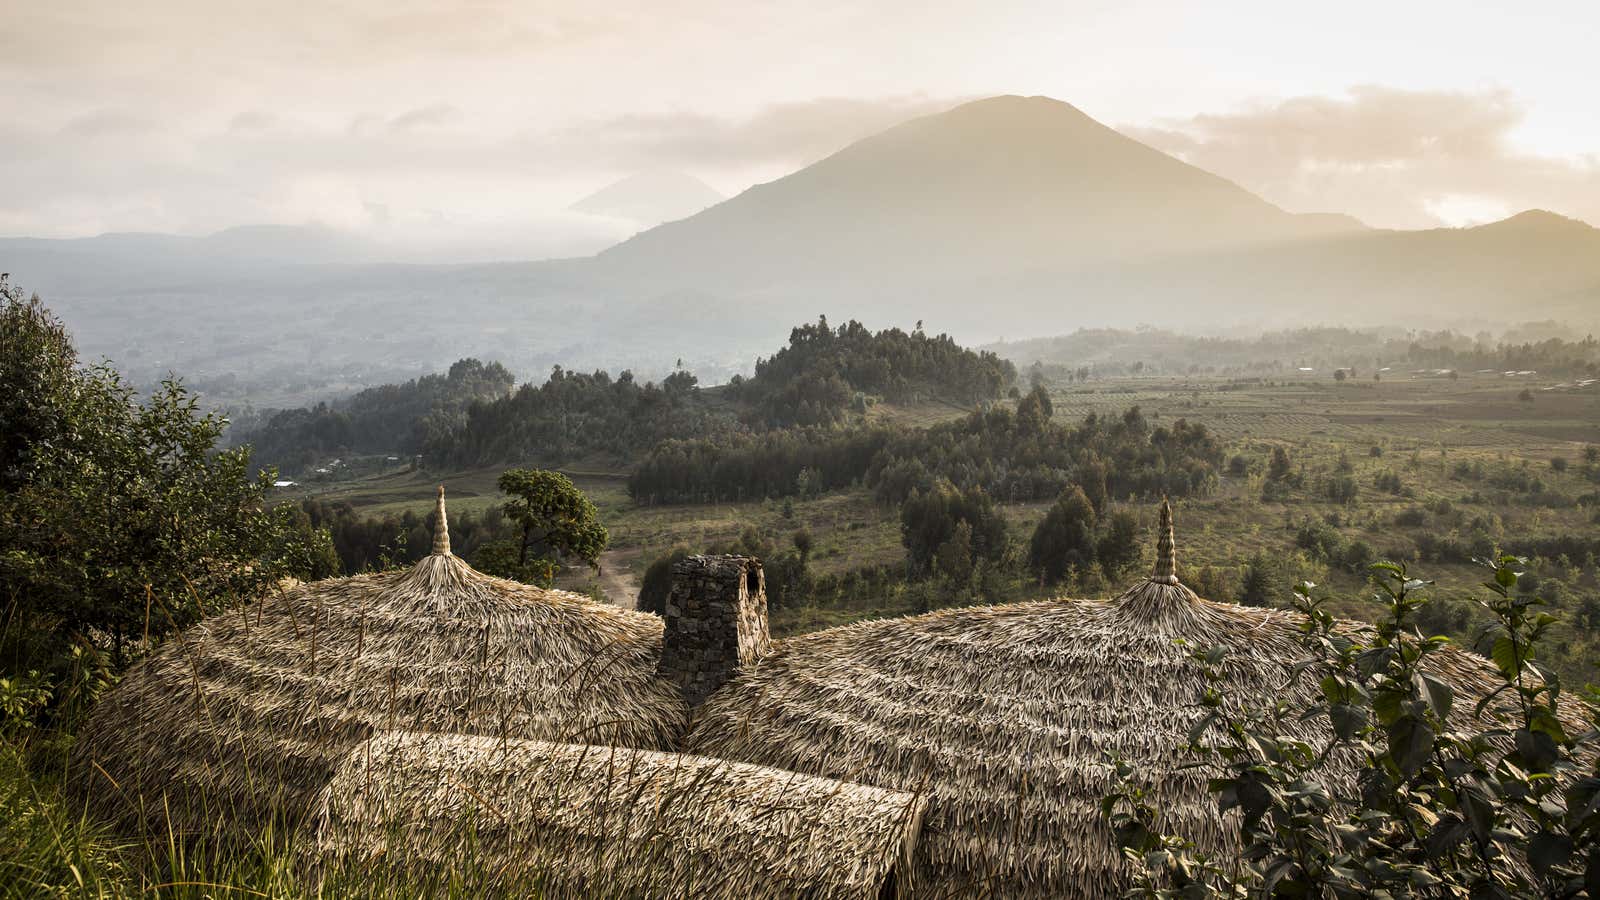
824	371
1106	352
391	418
573	414
1013	456
471	416
372	543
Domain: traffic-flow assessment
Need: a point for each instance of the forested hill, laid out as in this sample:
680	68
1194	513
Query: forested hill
390	418
819	375
471	417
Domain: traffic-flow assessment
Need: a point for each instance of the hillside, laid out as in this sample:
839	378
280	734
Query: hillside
999	185
470	417
650	198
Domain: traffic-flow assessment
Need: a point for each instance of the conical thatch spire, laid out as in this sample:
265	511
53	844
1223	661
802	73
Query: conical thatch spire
441	528
1160	601
1166	571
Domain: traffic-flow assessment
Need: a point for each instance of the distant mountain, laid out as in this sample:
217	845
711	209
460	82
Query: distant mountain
650	198
1014	214
1000	185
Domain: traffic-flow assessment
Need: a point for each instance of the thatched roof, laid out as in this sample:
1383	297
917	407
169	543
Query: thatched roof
1004	716
246	713
565	820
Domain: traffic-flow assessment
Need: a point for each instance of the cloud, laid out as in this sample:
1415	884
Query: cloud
1393	158
785	133
436	116
392	168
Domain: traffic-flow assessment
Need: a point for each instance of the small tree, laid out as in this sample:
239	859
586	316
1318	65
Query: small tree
657	582
556	519
1065	538
802	545
1034	410
1279	467
1119	547
1256	588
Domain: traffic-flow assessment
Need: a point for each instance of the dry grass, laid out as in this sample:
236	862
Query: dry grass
580	821
240	720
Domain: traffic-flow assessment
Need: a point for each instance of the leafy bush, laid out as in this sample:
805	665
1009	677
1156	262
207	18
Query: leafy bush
120	520
1508	807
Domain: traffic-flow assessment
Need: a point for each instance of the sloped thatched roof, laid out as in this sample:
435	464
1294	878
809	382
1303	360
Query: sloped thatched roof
566	820
1004	716
246	713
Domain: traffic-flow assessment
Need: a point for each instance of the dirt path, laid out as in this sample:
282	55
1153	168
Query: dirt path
616	577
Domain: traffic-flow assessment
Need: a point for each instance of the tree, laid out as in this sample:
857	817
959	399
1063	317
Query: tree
1065	538
1340	374
1279	467
656	584
121	521
929	519
1257	587
1119	547
556	519
802	545
1034	410
953	559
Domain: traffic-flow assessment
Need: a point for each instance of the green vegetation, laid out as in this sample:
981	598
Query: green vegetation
823	373
1012	456
925	486
1499	803
469	417
1328	352
390	419
554	521
120	520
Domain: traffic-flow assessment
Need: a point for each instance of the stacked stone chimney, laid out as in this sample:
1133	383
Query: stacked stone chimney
716	622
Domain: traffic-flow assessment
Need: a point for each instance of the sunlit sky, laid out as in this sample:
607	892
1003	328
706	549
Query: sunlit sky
487	118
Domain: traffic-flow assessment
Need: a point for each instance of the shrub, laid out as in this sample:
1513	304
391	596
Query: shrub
1501	807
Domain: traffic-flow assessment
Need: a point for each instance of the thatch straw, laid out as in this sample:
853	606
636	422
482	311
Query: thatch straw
563	820
441	527
244	715
1004	716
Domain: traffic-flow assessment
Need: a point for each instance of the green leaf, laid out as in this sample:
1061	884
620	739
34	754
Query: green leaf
1505	657
1410	743
1547	850
1200	727
1450	831
1440	696
1347	720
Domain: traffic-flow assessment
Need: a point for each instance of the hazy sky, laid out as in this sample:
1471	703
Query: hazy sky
484	119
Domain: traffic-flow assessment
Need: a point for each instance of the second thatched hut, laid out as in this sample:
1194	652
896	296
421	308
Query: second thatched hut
566	820
1005	715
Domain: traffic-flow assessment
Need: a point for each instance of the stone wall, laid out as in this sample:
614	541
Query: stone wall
716	622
